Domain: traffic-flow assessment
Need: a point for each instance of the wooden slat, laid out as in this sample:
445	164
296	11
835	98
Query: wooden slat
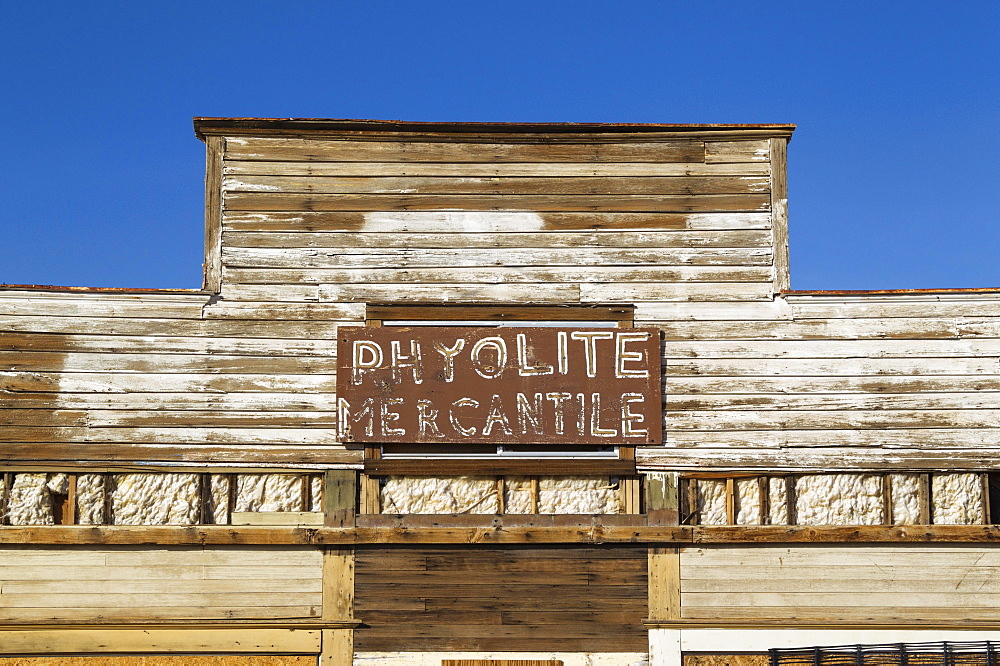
779	210
486	221
737	151
310	150
626	203
504	238
160	640
214	150
474	170
664	583
508	185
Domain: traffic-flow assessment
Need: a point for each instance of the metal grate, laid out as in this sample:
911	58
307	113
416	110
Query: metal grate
944	654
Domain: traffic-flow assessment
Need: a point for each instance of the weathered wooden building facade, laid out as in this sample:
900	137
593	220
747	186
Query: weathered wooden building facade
599	428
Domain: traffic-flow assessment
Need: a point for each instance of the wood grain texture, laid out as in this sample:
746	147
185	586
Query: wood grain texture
487	599
266	591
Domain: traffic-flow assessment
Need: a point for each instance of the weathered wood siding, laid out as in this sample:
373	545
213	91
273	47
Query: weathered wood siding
851	583
123	584
838	382
157	377
494	219
545	599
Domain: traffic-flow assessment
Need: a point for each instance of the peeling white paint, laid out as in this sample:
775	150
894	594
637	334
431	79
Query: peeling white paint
453	221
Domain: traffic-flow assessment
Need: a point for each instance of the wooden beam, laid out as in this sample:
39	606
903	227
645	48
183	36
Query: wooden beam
214	149
664	583
160	640
496	530
337	647
614	313
340	490
662	507
924	498
492	467
764	499
534	494
730	501
779	212
887	517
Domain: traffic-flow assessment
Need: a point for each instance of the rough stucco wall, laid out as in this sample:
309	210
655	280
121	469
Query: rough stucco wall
90	497
777	499
956	499
905	492
839	499
462	494
156	499
712	502
747	501
269	492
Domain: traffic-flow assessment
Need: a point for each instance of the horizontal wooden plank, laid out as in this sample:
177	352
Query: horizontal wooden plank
834	402
235	167
493	532
525	239
902	329
907	599
21	590
324	150
626	203
915	306
485	221
166	455
160	640
820	349
869	384
129	614
399	258
912	438
868	616
957	588
318	436
279	330
161	418
124	382
454	293
758	150
507	185
636	292
16	303
974	456
141	344
123	361
276	518
829	420
293	282
848	367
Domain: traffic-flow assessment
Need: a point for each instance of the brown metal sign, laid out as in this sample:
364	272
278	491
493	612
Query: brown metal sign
539	385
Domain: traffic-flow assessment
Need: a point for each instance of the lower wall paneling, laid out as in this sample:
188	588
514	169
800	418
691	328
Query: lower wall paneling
513	599
139	584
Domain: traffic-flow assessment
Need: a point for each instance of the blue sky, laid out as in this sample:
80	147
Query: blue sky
894	171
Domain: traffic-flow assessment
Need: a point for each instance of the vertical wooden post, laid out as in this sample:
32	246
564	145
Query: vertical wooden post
109	500
764	499
779	212
924	498
69	508
8	481
370	496
534	494
214	149
887	517
204	499
791	500
662	498
340	491
500	499
231	499
730	501
985	491
664	574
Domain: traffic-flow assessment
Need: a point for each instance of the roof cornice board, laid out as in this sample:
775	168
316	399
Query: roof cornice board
479	130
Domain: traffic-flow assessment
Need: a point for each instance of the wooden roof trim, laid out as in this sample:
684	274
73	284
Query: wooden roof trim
47	288
890	295
206	126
